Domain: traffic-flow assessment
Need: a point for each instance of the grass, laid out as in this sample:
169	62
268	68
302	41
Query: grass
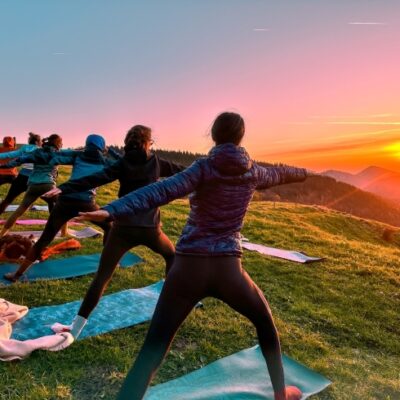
339	317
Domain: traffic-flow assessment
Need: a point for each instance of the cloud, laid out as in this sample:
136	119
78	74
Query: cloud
366	23
261	29
58	53
387	115
392	123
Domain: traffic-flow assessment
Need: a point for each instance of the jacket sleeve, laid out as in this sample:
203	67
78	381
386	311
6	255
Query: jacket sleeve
32	157
11	154
64	157
168	168
114	154
158	193
108	174
274	176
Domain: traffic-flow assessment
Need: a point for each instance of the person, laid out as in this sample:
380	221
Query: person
208	253
7	175
41	180
137	168
86	162
20	183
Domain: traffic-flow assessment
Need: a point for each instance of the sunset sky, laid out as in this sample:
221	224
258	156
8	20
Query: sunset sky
318	82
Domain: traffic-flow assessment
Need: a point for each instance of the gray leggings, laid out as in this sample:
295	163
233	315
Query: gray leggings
190	279
31	195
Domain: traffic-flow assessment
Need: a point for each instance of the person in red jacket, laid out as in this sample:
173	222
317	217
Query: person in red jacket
7	175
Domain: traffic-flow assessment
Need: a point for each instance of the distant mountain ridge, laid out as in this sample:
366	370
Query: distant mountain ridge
320	190
381	181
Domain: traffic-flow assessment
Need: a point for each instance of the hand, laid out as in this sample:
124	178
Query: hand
95	216
52	193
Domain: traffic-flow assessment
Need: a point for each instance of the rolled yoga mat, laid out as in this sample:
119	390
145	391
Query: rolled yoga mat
241	376
114	311
36	207
65	267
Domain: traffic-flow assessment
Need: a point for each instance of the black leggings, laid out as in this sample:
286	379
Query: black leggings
18	186
190	280
63	211
119	241
7	179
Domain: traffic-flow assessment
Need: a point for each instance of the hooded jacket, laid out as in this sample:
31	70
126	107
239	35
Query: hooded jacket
133	170
221	187
8	145
86	162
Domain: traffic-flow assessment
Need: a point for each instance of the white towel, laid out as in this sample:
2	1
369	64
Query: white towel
11	349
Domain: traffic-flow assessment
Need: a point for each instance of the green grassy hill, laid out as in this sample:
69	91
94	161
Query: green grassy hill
339	317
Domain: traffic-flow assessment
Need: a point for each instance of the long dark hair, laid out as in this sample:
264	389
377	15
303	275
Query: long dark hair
53	140
136	140
228	127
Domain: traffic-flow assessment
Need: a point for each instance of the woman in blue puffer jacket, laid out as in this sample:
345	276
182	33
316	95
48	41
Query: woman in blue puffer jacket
207	261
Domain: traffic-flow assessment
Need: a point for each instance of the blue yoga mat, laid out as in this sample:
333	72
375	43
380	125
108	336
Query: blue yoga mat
241	376
114	311
65	267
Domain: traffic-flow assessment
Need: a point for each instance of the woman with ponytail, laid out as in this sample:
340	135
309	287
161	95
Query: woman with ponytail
20	183
208	253
41	180
90	160
137	168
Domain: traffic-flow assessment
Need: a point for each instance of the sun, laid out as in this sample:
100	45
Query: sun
393	149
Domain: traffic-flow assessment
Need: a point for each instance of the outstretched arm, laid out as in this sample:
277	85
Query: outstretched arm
24	158
64	157
108	174
168	168
274	176
151	196
11	154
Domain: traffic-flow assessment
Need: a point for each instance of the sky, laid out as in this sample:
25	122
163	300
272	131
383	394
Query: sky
316	81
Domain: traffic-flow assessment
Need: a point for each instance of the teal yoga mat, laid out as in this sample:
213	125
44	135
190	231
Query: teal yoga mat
65	268
241	376
114	311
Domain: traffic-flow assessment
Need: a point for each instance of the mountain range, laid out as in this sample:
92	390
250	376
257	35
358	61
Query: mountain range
377	180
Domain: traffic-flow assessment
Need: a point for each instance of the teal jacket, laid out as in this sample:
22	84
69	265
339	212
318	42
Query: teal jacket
43	170
27	168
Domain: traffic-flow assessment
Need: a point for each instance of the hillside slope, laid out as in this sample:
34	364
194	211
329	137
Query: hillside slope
340	317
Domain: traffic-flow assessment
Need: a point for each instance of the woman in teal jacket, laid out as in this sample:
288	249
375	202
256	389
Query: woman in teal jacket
41	180
20	183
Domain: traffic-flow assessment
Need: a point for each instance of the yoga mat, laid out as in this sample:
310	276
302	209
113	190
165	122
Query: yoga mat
295	256
241	376
87	232
35	222
13	207
114	311
65	267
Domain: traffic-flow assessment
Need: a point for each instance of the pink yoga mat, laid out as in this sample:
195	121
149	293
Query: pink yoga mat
35	222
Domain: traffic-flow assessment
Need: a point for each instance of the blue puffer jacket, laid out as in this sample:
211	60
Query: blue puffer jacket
221	187
43	170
